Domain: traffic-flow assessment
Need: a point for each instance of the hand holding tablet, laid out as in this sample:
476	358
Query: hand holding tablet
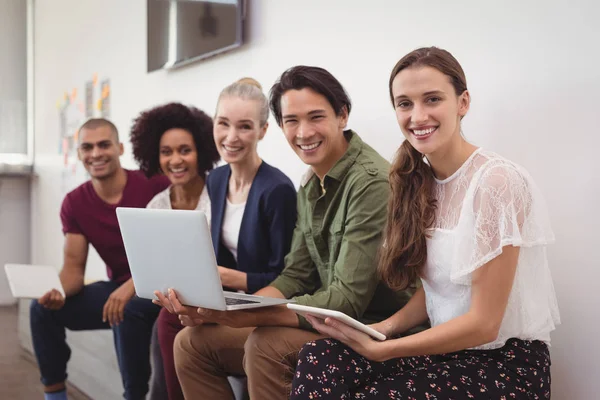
32	281
324	313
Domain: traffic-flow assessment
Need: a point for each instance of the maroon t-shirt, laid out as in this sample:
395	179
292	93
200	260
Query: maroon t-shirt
84	212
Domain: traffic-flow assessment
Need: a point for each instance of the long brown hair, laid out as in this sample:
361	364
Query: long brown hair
411	206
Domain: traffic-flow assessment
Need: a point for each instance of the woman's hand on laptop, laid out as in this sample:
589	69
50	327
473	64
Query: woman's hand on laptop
187	315
170	302
186	320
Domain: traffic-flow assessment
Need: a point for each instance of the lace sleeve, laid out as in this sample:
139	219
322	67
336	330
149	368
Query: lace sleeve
503	206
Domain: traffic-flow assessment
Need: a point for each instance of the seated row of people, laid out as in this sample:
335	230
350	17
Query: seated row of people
443	251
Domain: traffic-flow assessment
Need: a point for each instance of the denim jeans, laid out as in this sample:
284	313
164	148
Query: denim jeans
84	312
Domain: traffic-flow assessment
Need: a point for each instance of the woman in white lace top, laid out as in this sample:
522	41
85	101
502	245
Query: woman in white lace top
473	227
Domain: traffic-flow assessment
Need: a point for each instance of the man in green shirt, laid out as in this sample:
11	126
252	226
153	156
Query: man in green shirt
332	262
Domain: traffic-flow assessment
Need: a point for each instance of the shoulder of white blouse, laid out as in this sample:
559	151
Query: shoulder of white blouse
161	200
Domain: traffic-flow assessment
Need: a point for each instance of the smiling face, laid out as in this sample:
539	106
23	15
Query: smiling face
237	129
428	108
99	151
312	128
178	156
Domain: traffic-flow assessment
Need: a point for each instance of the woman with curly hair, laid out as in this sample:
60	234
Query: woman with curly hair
253	208
176	141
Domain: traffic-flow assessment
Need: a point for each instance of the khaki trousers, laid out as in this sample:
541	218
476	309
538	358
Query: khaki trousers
205	355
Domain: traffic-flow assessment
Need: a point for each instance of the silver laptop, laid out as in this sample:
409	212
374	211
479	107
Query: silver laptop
173	249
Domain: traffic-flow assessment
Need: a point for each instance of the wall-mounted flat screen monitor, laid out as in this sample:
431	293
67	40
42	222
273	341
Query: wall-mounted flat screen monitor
183	31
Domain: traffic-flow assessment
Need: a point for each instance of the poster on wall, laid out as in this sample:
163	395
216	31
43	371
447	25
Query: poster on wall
105	99
73	111
89	99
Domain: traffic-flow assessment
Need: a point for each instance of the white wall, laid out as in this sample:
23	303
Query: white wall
14	192
14	228
13	76
532	68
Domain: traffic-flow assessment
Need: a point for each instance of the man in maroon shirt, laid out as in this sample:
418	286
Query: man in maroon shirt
88	217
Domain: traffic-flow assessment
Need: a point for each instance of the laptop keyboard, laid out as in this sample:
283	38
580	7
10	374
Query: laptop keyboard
232	302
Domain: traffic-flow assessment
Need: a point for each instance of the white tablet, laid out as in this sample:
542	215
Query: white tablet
324	313
32	281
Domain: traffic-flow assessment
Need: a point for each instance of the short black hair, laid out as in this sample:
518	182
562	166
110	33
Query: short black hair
150	125
318	79
95	123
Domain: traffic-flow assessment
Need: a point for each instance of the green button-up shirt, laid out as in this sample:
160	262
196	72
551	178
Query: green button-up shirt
333	258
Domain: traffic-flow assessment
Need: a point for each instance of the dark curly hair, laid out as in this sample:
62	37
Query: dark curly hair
150	125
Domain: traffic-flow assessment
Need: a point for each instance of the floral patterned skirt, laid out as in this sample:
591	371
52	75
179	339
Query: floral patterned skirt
327	369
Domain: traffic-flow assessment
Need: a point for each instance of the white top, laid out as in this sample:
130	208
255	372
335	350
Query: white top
232	221
163	201
489	203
